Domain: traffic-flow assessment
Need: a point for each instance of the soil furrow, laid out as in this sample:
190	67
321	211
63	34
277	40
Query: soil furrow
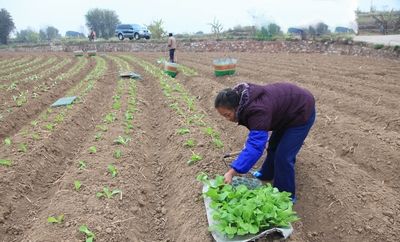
47	162
12	123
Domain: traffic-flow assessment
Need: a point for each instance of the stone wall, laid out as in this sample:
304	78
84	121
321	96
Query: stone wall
344	48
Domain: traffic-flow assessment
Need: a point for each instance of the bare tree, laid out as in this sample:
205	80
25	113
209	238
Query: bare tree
384	21
216	28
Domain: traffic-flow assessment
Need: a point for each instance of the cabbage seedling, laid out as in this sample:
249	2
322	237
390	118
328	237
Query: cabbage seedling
116	105
218	143
194	158
77	185
49	126
190	143
102	128
56	220
113	171
35	136
92	150
4	162
59	118
117	154
22	148
108	193
97	136
81	164
122	140
34	122
89	234
110	118
128	116
7	141
183	131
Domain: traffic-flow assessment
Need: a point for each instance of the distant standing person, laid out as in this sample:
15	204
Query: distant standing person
172	47
92	35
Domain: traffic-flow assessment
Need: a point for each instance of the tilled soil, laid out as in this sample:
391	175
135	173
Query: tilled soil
347	182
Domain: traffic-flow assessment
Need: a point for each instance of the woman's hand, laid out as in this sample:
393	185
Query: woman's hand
229	175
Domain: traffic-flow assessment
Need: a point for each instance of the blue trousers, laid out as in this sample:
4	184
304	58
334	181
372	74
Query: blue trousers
282	150
172	55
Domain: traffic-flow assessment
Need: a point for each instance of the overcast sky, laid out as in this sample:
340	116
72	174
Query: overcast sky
189	15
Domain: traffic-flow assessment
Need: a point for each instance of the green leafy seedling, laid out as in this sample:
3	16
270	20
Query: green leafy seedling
49	126
211	132
92	150
4	162
34	122
116	105
117	154
90	236
190	143
110	118
77	185
102	128
113	171
56	220
218	143
108	193
122	140
81	164
98	136
35	136
194	158
183	131
128	116
235	207
116	97
7	141
22	148
59	118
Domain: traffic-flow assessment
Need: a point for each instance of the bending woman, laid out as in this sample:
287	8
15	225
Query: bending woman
283	108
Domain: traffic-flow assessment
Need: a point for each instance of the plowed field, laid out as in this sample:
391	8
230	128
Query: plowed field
347	173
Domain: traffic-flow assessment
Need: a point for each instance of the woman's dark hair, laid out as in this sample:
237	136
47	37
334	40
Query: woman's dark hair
227	98
170	34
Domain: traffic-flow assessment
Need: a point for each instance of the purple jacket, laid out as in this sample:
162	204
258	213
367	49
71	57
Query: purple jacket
265	108
274	106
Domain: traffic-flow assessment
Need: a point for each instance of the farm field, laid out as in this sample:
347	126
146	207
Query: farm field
116	160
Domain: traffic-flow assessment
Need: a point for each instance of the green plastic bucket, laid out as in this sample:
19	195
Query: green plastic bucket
224	66
171	69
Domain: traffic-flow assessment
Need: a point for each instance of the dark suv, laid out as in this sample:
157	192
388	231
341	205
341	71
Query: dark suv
132	31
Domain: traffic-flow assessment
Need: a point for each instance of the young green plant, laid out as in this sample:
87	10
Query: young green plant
108	193
7	141
90	236
5	162
77	185
113	170
194	158
81	164
122	140
92	150
56	220
117	154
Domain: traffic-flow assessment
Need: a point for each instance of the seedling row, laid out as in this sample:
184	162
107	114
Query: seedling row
184	105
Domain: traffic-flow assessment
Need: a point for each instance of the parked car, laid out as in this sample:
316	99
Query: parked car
132	31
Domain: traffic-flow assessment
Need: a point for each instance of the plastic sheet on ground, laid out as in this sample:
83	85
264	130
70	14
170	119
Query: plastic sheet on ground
63	101
130	74
218	237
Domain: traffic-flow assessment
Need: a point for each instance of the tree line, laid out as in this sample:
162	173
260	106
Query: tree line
104	21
